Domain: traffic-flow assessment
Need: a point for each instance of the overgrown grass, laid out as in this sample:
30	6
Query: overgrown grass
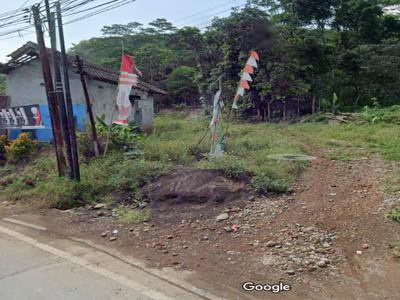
394	214
115	176
175	141
248	145
130	215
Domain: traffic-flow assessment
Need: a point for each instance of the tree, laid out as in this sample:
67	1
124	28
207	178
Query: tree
122	30
2	84
181	85
309	50
161	26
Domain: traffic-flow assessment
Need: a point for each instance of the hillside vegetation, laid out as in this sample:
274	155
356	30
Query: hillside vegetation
175	143
315	56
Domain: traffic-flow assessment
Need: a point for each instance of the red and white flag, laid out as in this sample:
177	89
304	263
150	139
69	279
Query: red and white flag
245	77
127	80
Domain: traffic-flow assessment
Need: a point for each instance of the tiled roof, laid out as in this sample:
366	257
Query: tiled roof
30	51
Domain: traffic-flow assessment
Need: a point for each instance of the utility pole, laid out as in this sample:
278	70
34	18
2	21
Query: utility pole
51	99
68	97
59	92
95	139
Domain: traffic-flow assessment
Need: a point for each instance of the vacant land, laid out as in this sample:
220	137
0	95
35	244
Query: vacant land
327	226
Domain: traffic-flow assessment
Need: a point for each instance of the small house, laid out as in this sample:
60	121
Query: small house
26	107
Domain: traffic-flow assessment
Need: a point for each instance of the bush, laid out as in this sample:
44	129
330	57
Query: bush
230	165
390	115
394	214
132	215
85	145
264	184
21	148
3	143
121	138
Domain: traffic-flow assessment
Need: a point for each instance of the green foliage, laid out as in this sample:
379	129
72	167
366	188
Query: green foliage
390	115
181	84
21	148
132	215
121	138
231	166
2	84
394	214
3	143
263	184
310	51
39	181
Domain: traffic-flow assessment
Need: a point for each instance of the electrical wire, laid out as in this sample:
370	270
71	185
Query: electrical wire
204	11
17	20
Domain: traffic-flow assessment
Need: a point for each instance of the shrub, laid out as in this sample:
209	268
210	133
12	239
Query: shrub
3	143
21	148
123	138
394	214
264	184
132	215
230	165
85	145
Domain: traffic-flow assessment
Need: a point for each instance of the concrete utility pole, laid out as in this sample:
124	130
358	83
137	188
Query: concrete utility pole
59	92
68	97
51	99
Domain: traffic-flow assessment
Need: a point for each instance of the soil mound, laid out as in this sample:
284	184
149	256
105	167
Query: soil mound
192	186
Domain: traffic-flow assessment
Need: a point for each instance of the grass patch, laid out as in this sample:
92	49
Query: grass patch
174	142
132	215
263	184
394	214
115	176
230	165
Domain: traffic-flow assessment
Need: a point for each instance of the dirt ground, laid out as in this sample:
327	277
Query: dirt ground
329	239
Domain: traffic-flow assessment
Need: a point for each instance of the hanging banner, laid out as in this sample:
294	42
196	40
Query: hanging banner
22	117
217	135
245	77
127	80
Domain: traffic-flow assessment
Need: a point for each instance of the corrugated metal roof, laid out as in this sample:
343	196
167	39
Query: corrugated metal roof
30	51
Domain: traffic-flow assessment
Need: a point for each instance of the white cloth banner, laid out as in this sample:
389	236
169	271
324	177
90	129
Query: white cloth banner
247	77
252	62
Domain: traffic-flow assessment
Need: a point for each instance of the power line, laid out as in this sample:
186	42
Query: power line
204	11
18	17
213	15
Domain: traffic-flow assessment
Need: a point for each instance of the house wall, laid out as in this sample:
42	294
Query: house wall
25	86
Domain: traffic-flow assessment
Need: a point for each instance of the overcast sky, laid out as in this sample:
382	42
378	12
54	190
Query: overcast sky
181	12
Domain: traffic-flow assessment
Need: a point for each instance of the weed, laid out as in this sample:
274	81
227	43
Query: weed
394	214
395	247
132	215
263	184
230	165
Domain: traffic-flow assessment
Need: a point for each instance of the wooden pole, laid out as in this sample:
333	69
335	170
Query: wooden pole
95	140
59	91
68	98
51	99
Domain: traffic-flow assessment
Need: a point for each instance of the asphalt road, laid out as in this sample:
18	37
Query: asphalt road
37	266
30	273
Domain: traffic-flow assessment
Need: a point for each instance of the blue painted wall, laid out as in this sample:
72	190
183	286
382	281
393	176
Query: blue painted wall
45	135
